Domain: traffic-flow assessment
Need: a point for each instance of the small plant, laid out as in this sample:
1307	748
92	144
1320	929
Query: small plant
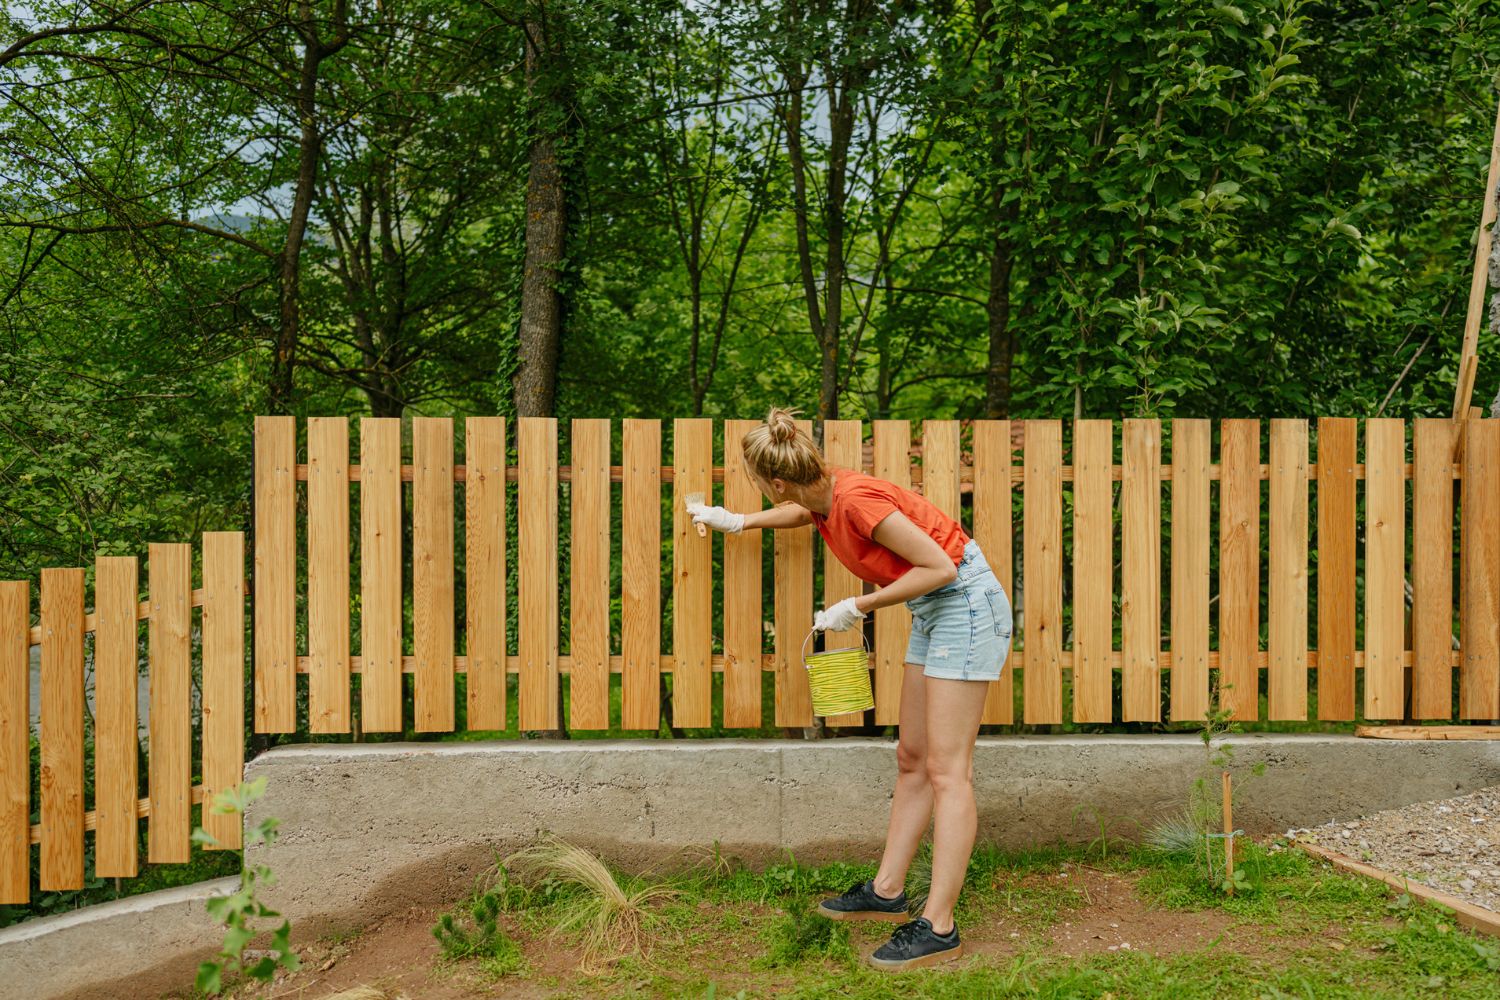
800	934
480	936
235	911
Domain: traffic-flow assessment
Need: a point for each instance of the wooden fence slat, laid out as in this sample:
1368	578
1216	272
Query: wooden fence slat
843	446
743	635
1385	567
223	679
892	445
61	784
484	572
1286	625
992	529
328	574
640	562
1140	576
1239	568
1432	569
588	686
1041	594
536	523
1337	437
432	574
380	600
1190	574
275	574
1093	571
692	579
940	466
15	749
1479	558
116	683
170	723
793	594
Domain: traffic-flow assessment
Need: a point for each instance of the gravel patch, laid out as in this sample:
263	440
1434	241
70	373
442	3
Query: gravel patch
1448	844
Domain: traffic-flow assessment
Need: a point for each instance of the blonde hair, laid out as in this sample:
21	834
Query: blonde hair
779	449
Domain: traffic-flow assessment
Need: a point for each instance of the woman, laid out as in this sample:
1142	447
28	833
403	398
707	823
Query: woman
960	635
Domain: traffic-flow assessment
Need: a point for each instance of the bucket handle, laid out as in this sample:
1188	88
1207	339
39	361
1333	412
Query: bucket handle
812	631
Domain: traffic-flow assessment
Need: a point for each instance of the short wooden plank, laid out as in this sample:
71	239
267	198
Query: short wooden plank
432	573
992	529
170	724
1239	568
692	576
843	447
1432	569
588	688
1428	732
380	585
116	733
328	574
1190	572
223	678
640	562
536	523
1479	557
1140	574
1093	571
1385	567
1478	918
940	466
484	572
15	749
275	574
61	785
892	446
1041	594
793	595
743	611
1337	438
1286	609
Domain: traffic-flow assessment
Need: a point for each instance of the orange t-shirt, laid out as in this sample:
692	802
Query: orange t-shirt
860	502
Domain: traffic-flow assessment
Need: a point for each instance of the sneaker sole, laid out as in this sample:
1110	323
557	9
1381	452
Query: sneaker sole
881	915
936	958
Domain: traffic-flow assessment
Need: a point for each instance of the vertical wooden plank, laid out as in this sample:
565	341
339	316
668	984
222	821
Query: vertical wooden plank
536	523
940	466
992	529
692	577
484	571
380	610
892	440
843	448
275	574
1385	567
61	782
1093	571
1190	534
170	723
15	750
328	574
1336	586
743	634
589	577
640	562
223	678
1041	688
116	682
1286	685
1479	559
1432	569
432	573
793	594
1140	578
1239	568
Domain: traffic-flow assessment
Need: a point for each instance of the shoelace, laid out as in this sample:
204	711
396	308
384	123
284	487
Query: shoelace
904	933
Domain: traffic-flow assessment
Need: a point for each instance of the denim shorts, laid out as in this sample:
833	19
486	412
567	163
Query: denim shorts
961	632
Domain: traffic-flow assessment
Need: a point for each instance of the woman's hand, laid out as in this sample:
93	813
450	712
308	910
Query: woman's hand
842	616
717	518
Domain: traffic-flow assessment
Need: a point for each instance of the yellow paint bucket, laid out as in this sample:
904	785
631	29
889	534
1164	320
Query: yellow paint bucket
839	679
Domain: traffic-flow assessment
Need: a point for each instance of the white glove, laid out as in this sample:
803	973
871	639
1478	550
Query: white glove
716	518
842	616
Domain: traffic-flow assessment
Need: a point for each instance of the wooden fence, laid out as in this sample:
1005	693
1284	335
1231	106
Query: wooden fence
1138	506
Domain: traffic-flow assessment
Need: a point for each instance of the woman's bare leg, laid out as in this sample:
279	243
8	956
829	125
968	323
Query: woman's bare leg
911	807
954	709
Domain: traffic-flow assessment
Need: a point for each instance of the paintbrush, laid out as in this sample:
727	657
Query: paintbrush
693	500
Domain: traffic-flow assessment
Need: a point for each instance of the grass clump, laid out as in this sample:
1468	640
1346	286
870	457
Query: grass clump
801	935
477	934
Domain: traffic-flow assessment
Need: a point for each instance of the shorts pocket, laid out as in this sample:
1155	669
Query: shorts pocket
999	610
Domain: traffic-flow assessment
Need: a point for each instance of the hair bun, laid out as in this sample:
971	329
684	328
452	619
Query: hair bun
782	425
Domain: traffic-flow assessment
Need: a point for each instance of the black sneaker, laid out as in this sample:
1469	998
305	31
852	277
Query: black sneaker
862	903
914	945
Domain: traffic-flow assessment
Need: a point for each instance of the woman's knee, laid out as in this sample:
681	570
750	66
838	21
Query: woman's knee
911	757
949	774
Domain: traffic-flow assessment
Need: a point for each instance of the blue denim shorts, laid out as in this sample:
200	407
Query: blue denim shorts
961	632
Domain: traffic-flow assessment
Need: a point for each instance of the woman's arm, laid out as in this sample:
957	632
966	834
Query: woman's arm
783	515
931	567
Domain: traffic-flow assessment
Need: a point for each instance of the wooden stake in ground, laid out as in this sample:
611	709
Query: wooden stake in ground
1479	284
1228	837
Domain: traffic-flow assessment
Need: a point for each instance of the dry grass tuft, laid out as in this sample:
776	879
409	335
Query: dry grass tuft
359	993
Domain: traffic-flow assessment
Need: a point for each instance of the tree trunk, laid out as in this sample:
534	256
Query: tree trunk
997	310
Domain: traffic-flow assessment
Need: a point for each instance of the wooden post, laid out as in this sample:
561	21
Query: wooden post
1228	836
